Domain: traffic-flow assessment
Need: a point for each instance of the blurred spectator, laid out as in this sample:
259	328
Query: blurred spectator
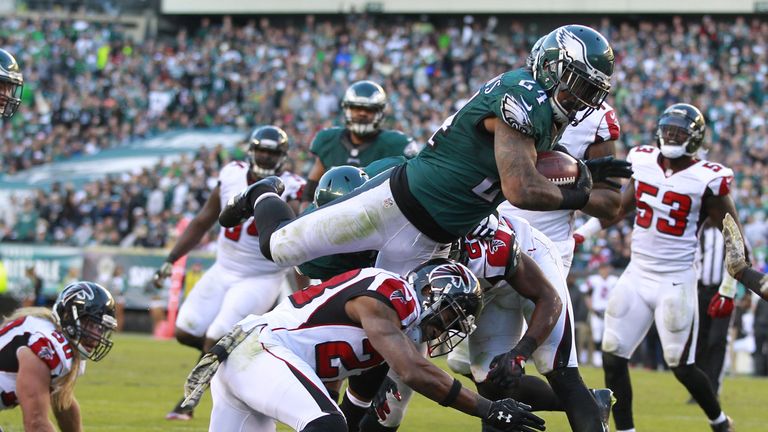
33	288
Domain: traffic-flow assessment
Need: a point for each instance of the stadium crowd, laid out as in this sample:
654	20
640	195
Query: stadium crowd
89	87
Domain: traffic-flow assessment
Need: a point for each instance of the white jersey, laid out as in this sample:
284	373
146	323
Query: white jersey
599	289
669	209
238	247
42	337
602	125
313	324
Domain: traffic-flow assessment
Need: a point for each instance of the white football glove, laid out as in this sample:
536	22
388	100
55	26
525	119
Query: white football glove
487	227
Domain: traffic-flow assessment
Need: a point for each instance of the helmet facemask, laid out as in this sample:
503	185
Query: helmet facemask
576	92
267	150
678	136
444	325
574	66
91	334
10	97
367	96
359	126
451	298
265	162
85	311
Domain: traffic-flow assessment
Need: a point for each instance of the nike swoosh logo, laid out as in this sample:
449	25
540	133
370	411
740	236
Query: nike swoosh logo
676	283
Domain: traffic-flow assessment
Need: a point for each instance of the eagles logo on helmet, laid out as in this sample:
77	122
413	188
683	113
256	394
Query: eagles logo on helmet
574	64
86	313
267	150
451	299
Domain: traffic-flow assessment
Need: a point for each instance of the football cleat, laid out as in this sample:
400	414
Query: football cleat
605	401
724	426
240	207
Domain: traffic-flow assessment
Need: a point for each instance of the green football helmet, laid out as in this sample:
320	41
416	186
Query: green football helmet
337	182
367	95
681	131
574	65
11	84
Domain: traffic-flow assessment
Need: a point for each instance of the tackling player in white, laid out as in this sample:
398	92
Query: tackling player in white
273	367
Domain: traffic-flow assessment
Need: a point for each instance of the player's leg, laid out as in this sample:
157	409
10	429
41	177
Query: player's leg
407	248
597	324
196	314
677	323
201	306
362	220
627	320
277	383
252	295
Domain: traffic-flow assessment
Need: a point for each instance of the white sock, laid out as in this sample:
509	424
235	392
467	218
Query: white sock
721	418
626	430
357	402
265	195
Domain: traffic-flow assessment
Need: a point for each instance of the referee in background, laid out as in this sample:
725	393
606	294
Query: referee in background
713	332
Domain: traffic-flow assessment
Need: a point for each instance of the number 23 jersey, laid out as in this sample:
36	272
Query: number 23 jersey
314	324
669	208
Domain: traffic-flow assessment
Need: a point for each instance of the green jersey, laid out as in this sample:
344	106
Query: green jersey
326	267
334	147
455	178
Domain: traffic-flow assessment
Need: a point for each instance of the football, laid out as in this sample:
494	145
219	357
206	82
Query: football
560	168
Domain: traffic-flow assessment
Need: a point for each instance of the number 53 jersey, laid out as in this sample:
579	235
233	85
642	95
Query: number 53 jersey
670	208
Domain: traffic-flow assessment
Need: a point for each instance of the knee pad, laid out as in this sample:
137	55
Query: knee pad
333	422
677	315
611	342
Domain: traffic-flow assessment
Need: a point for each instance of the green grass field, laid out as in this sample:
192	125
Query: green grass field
141	379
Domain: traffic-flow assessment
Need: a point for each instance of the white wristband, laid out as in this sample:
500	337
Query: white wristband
357	402
590	228
728	286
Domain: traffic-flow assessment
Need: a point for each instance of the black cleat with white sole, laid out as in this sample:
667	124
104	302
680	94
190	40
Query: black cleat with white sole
240	206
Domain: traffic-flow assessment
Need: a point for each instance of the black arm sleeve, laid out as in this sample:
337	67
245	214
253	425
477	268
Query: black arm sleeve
309	191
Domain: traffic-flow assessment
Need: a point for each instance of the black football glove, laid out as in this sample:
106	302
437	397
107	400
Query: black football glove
576	197
512	416
379	403
507	369
608	166
165	270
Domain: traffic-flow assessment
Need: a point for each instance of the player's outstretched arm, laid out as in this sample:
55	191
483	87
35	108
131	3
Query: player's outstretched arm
521	183
191	236
736	261
595	225
531	283
382	327
605	199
